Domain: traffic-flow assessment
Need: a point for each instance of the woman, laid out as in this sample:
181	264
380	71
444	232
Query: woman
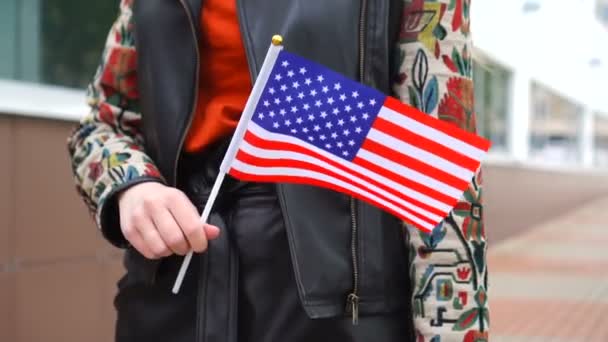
285	262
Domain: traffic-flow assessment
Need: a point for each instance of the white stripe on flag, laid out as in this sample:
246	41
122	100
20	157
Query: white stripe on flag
420	154
432	134
261	132
410	174
295	172
291	155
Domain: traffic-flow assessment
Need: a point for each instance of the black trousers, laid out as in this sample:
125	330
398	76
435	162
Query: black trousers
267	301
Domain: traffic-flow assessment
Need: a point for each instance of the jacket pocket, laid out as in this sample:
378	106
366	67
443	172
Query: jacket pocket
383	270
140	270
319	230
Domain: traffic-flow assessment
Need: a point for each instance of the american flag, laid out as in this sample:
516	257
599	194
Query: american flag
314	126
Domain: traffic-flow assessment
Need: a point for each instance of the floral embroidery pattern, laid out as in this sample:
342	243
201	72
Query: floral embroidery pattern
119	73
106	149
447	267
470	209
461	18
423	23
457	104
424	91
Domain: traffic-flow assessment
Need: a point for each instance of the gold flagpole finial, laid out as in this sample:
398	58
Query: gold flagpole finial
277	40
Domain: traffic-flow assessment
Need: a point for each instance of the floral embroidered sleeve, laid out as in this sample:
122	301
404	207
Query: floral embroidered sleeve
106	148
448	267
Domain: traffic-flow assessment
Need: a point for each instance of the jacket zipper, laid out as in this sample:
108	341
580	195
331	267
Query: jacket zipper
194	103
352	300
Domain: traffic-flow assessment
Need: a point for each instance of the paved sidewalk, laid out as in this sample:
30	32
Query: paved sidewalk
550	284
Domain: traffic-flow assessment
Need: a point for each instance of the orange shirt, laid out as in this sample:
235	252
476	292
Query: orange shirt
224	83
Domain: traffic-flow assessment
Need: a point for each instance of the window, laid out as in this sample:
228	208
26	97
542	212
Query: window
492	94
55	42
600	153
602	11
555	127
531	6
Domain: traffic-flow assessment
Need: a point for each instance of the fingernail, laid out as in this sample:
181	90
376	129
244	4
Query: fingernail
211	229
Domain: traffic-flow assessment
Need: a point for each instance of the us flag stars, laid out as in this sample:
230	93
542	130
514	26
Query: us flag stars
319	108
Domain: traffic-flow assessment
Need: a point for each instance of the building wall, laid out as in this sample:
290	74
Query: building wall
57	276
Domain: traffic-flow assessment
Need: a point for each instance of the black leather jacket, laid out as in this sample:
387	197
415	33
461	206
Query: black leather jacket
340	247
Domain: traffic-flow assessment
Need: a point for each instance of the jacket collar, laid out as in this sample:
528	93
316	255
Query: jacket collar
195	7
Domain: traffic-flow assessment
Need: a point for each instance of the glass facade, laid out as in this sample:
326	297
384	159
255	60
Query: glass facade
56	42
600	143
555	127
492	93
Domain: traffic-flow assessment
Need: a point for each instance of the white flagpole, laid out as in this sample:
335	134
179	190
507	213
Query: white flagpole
237	138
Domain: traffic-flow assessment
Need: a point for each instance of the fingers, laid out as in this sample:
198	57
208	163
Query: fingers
158	221
187	217
170	231
137	241
146	228
212	232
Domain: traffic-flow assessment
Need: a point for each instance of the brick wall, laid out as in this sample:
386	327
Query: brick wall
57	276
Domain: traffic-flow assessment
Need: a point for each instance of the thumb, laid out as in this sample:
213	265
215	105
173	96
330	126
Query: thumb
212	232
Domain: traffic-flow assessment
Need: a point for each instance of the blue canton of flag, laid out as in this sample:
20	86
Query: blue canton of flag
314	104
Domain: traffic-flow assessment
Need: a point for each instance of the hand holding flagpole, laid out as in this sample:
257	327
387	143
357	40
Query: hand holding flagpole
241	128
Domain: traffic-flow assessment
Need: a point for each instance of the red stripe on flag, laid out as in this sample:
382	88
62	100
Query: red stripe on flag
447	128
423	189
284	146
298	164
428	145
315	182
414	164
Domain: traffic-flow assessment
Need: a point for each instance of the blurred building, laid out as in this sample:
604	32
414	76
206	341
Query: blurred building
601	11
540	78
